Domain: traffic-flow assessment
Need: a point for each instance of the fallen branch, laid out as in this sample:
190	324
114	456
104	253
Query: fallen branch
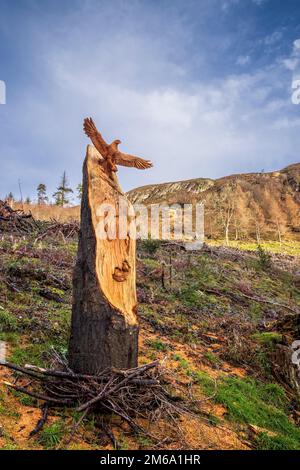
41	421
37	395
249	297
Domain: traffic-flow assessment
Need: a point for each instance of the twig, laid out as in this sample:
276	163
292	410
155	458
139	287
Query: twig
37	395
104	393
73	430
41	421
20	369
253	298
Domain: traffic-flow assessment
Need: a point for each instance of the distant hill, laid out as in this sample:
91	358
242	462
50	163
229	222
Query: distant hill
249	205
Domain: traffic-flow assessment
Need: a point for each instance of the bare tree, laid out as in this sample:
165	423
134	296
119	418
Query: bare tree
227	206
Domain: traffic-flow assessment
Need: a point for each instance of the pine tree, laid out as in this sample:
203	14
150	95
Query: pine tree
79	191
63	190
10	197
41	194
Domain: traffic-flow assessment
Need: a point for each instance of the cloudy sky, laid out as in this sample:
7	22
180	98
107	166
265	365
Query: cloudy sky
200	87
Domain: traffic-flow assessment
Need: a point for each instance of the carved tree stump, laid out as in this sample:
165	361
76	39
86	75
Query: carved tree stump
104	329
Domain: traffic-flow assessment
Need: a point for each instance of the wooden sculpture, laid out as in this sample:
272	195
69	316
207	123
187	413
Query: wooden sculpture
110	152
104	329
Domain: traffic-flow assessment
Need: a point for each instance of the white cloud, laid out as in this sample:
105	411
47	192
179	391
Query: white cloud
291	63
297	44
243	60
273	38
205	129
140	90
259	2
227	4
286	123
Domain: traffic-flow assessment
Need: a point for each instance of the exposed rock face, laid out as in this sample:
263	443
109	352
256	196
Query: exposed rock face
104	331
169	192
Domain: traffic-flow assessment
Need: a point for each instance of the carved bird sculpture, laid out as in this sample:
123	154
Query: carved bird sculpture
110	152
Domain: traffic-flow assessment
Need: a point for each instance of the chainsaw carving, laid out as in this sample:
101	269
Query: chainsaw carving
104	330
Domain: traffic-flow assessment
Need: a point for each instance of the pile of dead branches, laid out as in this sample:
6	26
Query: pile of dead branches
56	229
16	221
19	223
133	395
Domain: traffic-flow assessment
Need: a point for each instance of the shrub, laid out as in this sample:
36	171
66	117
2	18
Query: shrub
264	258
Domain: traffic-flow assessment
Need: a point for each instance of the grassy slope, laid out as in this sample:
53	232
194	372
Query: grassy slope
216	340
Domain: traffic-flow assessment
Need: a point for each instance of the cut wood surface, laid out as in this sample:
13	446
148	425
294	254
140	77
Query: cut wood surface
104	324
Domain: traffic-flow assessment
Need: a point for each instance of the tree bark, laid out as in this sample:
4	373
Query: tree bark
104	327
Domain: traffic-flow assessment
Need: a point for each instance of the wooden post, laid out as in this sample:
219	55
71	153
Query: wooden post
104	329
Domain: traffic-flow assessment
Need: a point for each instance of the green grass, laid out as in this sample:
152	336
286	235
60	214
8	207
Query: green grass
51	435
27	354
183	364
252	402
267	338
8	322
144	441
12	338
6	409
35	353
212	358
25	400
9	445
288	247
255	312
151	263
150	246
204	380
265	441
123	442
158	345
212	419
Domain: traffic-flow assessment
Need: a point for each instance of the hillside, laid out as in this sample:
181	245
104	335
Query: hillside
261	205
216	320
257	206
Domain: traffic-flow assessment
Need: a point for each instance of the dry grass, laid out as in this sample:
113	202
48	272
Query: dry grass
50	211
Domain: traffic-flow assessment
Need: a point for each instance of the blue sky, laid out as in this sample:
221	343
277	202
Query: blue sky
200	87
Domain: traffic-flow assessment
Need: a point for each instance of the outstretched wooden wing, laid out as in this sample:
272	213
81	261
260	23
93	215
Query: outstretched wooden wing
92	132
130	160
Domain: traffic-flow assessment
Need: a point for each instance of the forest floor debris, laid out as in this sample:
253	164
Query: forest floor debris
217	349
